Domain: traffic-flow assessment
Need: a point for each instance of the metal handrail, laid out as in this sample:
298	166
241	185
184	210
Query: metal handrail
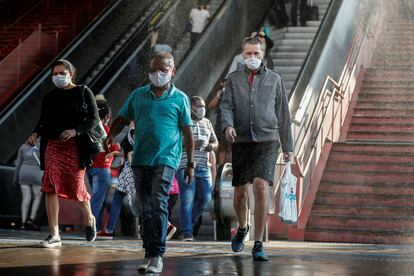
320	108
319	114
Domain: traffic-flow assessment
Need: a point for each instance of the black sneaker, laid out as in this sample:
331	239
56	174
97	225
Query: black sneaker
258	252
238	241
90	232
30	225
51	241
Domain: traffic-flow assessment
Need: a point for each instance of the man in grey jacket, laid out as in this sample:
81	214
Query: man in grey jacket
255	117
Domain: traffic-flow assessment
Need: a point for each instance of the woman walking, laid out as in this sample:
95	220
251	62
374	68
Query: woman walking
62	154
29	177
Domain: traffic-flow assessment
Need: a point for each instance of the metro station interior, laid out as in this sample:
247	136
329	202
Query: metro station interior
348	72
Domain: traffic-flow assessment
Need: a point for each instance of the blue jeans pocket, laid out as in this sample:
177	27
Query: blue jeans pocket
168	174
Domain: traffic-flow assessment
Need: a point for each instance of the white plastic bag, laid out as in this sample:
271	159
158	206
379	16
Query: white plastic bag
288	211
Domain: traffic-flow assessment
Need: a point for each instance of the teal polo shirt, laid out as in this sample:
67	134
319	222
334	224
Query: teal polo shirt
158	123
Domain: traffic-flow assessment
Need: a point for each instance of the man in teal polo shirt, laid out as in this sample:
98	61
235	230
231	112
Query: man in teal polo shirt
160	112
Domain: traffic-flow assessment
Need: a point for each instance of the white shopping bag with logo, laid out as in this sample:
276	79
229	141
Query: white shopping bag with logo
287	205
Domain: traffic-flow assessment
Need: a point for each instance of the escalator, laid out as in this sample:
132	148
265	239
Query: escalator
18	118
114	66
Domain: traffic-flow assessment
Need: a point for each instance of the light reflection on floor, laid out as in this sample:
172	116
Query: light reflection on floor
19	256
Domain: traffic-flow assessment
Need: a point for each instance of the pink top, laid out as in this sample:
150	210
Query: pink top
174	187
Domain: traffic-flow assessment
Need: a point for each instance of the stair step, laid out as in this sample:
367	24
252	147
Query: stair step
291	48
312	23
358	236
346	188
299	36
390	157
370	167
362	178
288	62
380	97
362	222
388	111
379	136
386	90
306	29
295	42
289	55
359	210
408	105
392	83
365	199
289	77
287	69
371	148
391	128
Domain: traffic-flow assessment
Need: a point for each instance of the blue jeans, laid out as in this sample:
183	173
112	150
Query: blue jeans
99	179
194	197
152	184
116	206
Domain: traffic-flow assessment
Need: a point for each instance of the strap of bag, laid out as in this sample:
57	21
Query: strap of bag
84	105
34	152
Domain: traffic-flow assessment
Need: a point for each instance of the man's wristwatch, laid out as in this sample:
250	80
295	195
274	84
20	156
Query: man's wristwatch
191	165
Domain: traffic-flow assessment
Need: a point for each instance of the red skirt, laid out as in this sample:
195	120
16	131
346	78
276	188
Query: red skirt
62	175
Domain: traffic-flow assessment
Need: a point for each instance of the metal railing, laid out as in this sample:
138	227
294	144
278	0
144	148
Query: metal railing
328	116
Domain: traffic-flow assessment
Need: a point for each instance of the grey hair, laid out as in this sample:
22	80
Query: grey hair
251	41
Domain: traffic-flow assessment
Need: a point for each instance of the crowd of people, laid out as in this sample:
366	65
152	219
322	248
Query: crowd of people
169	151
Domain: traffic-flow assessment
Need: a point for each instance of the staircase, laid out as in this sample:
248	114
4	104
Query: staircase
366	194
184	44
292	45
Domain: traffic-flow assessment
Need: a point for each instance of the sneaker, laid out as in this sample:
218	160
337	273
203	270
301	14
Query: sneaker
90	231
155	265
144	265
186	238
51	241
30	225
102	234
238	241
171	231
258	252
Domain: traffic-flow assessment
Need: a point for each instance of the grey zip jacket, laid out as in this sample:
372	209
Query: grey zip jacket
260	112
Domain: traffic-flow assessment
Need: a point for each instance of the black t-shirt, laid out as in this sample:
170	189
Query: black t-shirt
62	110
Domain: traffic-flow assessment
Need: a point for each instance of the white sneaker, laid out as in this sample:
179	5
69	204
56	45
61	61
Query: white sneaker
51	241
155	265
144	265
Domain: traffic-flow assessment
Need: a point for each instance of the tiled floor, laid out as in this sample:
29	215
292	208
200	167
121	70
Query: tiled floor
20	256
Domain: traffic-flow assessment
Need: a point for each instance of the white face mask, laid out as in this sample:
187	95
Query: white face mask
61	81
253	63
198	112
159	78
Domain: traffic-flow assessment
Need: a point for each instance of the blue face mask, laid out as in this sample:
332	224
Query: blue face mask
159	78
61	81
253	63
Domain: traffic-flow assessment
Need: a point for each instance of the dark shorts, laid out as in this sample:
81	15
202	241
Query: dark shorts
250	160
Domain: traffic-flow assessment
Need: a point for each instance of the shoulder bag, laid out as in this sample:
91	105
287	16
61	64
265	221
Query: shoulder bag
92	139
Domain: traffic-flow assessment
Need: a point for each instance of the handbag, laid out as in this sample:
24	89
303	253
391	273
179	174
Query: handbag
92	139
288	210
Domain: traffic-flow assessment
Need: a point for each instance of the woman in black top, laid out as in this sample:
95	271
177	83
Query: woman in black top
63	158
